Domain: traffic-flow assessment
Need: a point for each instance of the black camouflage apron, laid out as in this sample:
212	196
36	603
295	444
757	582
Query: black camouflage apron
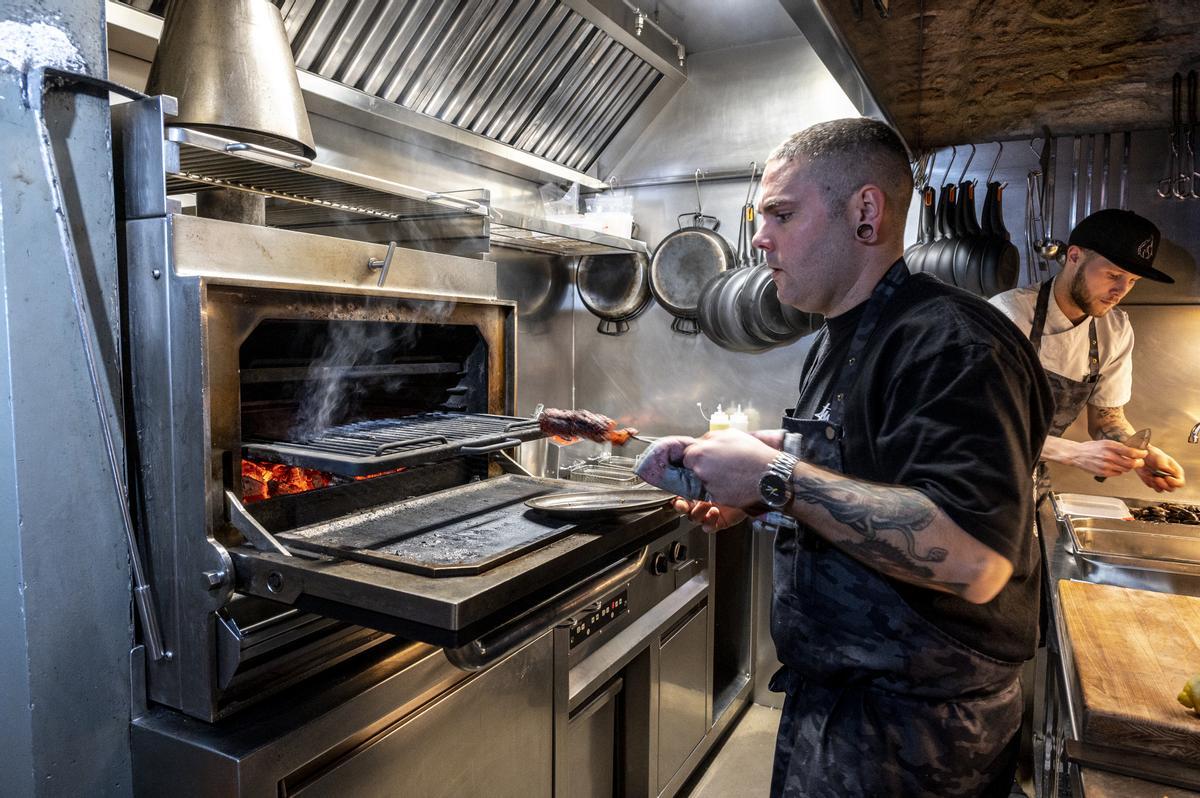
880	702
1070	396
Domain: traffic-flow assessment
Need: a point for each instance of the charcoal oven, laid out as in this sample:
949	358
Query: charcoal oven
327	533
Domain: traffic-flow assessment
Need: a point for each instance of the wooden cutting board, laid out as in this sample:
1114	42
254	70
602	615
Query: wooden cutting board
1134	651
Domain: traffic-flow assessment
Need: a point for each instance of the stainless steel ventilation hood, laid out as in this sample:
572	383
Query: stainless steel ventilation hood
564	81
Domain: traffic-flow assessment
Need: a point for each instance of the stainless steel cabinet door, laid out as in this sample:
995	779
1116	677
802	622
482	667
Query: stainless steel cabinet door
682	699
491	736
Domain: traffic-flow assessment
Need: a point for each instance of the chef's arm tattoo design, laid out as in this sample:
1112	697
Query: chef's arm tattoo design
1108	423
884	525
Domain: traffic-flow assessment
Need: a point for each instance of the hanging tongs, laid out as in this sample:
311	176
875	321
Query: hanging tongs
747	255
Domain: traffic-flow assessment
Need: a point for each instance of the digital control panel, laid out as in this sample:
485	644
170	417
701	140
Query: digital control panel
596	620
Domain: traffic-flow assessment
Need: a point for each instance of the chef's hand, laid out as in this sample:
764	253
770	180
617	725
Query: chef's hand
711	517
730	463
1105	458
1158	460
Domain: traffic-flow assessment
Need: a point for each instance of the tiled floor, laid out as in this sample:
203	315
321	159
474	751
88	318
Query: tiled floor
742	765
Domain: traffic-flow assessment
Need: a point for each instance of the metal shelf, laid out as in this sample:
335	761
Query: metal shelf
317	194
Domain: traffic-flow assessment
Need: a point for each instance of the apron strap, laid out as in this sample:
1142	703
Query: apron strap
1039	324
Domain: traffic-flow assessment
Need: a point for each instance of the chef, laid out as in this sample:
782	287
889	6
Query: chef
905	581
1085	343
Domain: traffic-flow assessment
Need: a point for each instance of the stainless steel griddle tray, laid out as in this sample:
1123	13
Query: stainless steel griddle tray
368	447
207	161
464	531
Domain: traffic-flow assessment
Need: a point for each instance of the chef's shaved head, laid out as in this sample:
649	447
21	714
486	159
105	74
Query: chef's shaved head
844	155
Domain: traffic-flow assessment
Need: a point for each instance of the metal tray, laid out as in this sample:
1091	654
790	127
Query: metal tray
599	503
1135	540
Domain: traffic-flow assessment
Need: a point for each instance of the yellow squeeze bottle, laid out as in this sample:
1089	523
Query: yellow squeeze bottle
718	420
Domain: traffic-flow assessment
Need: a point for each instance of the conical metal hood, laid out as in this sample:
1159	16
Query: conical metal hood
229	64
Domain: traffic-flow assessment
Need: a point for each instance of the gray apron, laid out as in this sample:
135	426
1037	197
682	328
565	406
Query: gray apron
880	702
1070	396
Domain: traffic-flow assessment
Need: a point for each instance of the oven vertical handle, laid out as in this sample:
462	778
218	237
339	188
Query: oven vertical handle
37	89
490	648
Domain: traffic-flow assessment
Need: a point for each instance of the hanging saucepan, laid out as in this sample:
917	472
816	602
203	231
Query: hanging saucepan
614	287
774	321
684	262
1001	263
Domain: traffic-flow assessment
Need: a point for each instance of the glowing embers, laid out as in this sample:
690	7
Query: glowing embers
263	480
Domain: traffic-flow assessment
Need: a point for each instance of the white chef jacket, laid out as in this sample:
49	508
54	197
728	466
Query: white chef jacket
1065	345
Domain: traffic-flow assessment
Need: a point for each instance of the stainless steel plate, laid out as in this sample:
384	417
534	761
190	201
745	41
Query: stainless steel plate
599	503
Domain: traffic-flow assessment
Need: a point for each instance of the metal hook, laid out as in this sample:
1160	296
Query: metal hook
699	206
949	166
962	175
1031	148
753	174
996	161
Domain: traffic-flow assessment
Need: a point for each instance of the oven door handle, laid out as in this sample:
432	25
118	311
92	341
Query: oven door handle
490	648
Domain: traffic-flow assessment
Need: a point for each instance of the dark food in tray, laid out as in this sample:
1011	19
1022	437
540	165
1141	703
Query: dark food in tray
1167	512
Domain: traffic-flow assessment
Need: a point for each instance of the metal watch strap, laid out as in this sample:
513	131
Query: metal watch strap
784	465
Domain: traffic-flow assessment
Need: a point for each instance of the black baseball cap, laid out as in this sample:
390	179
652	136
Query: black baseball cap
1128	240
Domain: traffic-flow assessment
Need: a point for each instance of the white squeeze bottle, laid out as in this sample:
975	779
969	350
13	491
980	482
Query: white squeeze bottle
718	420
739	420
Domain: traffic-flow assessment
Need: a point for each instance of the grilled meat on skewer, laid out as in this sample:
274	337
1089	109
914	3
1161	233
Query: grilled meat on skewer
575	424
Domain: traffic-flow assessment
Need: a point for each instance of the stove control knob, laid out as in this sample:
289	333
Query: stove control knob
659	565
678	552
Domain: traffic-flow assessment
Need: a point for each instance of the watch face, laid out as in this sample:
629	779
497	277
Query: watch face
774	490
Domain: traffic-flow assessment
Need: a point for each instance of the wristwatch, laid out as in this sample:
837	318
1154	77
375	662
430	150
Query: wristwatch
775	485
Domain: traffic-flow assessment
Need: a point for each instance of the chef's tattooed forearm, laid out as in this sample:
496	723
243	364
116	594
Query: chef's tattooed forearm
1111	423
872	510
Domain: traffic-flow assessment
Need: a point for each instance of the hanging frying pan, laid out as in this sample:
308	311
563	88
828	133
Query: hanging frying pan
684	262
914	256
615	288
1001	264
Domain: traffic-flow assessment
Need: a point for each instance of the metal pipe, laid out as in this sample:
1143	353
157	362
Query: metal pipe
704	176
642	19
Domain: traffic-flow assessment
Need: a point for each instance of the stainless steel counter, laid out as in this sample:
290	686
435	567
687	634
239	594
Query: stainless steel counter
1057	695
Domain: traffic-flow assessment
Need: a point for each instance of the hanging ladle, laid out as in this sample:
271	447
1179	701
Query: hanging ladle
1048	247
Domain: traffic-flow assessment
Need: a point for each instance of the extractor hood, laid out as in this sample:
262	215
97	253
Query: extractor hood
559	79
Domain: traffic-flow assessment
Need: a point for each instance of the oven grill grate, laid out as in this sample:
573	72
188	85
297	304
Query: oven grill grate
368	447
